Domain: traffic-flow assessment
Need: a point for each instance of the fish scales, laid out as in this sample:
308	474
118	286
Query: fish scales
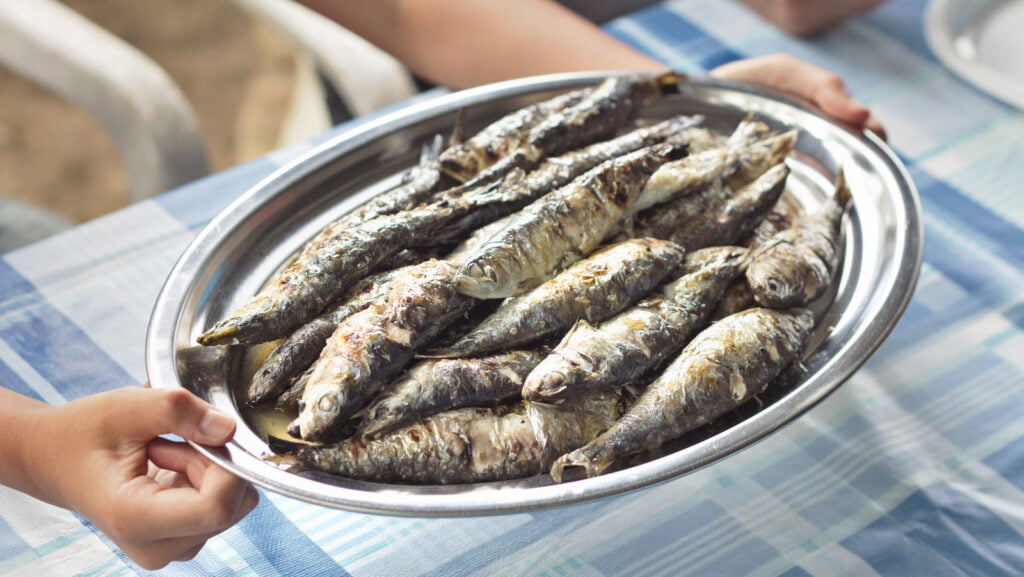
307	286
735	216
288	401
297	353
798	264
519	188
559	227
594	288
560	170
708	192
503	136
786	212
374	345
438	385
601	113
699	170
621	350
739	296
416	185
725	365
467	445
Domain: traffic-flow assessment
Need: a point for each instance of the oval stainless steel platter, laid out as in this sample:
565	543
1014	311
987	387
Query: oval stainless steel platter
233	256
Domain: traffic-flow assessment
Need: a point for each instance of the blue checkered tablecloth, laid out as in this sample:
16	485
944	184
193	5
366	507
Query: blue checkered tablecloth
915	467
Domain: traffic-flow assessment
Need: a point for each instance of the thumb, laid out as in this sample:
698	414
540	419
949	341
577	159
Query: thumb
155	412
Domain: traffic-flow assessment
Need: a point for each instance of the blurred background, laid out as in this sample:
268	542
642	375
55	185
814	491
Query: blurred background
238	75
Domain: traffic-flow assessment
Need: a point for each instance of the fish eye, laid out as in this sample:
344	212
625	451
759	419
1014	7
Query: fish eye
491	273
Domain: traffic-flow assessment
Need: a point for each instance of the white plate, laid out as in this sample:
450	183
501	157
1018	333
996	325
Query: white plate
982	41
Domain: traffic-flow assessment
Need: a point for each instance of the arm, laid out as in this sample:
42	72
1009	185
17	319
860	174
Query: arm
100	455
809	17
464	43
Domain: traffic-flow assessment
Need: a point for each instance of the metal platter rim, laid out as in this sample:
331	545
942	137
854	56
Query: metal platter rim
163	353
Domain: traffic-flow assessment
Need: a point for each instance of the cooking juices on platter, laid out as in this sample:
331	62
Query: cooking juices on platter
559	293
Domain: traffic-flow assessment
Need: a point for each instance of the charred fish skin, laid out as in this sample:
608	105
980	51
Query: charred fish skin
737	216
559	227
786	212
303	290
297	353
594	288
601	113
460	446
560	170
417	184
700	170
687	210
798	264
738	297
518	188
288	400
568	426
435	386
502	137
468	445
374	345
725	365
619	351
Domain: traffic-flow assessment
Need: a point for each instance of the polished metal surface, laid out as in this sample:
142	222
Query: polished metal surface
238	251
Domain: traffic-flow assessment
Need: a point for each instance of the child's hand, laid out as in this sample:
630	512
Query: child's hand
788	74
158	500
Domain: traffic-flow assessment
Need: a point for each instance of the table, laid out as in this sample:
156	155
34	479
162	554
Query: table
915	466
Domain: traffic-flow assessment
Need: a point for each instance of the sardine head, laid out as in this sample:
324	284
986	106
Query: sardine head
318	417
484	281
544	386
772	292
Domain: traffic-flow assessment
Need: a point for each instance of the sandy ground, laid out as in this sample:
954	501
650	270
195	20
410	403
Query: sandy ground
236	73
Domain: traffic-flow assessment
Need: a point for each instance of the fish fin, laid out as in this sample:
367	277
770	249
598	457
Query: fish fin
283	446
844	197
223	333
458	135
429	153
668	82
451	352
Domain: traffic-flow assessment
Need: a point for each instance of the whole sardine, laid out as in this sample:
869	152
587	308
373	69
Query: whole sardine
518	188
601	113
735	216
416	185
620	350
372	346
700	170
594	288
725	365
786	212
560	227
306	287
467	445
798	264
503	136
301	348
708	195
435	386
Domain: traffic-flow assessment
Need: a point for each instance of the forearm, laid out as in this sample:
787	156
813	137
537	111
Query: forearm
23	462
463	43
809	17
